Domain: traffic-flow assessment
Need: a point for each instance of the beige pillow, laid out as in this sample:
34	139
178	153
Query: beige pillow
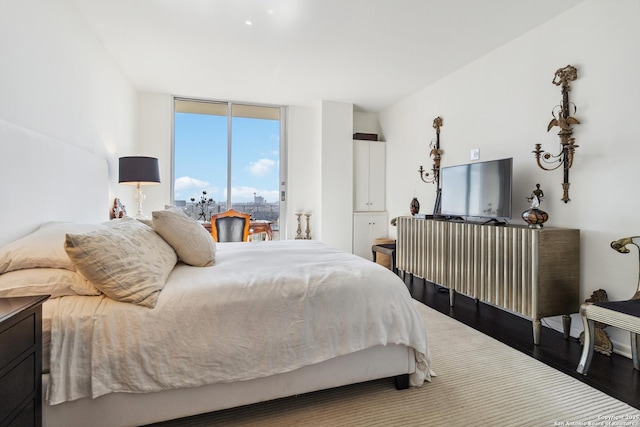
191	241
44	248
56	282
127	261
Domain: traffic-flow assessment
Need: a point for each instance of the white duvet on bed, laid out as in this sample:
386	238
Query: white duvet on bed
264	308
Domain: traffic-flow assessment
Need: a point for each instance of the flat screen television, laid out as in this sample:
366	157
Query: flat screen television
481	190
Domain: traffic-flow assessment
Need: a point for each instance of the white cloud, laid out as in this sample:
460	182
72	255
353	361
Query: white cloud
261	167
186	186
188	183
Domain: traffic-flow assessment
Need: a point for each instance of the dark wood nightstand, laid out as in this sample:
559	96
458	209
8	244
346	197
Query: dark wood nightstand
21	361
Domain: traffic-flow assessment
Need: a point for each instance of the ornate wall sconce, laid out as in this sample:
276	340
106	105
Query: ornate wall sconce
563	119
436	155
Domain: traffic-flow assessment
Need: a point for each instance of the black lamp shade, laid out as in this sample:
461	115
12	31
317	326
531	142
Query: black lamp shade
139	169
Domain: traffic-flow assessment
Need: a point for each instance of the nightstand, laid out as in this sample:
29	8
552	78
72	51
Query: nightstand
21	361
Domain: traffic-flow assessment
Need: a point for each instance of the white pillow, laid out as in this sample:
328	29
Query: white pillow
44	248
56	282
127	261
191	241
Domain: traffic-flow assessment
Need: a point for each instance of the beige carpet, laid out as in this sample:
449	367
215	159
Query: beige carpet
480	382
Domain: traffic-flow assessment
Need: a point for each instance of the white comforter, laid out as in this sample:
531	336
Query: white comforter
263	309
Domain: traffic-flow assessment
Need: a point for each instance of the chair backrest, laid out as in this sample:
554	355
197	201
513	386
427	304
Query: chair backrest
230	226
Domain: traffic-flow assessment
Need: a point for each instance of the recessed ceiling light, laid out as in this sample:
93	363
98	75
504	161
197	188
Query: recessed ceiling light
247	22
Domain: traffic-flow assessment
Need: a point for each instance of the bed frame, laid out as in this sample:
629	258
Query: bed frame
126	409
48	180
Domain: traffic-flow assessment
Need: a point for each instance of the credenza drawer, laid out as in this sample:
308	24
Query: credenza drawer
17	339
27	417
17	385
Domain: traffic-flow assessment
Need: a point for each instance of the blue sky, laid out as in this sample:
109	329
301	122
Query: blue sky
201	157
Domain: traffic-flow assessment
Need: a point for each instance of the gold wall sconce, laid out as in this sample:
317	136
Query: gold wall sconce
436	155
563	119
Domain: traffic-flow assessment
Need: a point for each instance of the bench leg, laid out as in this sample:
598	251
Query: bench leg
393	262
566	326
634	351
587	350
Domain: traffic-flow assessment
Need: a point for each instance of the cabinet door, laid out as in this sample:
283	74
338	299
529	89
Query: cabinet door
366	229
369	175
360	175
377	176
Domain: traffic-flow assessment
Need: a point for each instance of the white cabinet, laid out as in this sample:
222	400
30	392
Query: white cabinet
369	175
367	227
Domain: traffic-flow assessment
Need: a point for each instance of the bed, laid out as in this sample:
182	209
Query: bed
263	321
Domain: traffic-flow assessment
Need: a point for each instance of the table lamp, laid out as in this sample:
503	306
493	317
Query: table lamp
138	171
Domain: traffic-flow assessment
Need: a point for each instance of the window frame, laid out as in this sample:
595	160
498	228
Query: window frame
282	190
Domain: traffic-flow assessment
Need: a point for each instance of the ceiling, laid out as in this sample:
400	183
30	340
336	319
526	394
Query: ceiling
371	53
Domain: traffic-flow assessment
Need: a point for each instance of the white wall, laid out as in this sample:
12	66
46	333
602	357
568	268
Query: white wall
57	79
502	104
336	173
303	169
155	129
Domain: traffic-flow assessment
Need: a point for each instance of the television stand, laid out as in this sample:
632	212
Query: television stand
533	272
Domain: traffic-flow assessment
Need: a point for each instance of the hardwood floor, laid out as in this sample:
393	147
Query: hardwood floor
612	375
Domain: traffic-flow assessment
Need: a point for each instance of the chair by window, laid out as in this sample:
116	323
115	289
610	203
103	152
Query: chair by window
620	314
230	226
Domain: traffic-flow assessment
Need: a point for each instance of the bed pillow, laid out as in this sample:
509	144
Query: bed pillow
191	241
127	261
56	282
44	248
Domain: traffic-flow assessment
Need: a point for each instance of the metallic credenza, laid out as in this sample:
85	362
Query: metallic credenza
531	272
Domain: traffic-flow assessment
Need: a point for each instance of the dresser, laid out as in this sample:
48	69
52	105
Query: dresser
533	272
21	361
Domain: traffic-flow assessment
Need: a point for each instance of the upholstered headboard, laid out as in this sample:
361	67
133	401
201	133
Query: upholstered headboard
43	179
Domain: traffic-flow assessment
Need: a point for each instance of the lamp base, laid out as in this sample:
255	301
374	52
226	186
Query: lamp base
139	197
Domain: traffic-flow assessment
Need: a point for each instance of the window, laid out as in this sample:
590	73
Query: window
228	155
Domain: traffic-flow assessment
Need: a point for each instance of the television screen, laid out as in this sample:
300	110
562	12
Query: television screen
480	189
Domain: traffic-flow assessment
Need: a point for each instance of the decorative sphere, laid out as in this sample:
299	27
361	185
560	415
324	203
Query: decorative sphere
535	217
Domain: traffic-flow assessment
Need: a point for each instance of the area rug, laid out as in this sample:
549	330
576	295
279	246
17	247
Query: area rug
479	382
